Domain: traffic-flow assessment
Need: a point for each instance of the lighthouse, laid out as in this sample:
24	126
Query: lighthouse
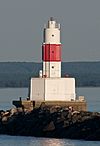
51	50
50	88
50	85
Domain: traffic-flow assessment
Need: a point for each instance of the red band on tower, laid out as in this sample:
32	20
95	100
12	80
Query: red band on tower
51	52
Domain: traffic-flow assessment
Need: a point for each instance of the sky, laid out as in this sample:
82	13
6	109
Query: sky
22	22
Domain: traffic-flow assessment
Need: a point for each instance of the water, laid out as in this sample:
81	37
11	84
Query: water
32	141
9	94
92	96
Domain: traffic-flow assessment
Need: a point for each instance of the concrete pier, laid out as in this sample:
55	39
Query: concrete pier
30	105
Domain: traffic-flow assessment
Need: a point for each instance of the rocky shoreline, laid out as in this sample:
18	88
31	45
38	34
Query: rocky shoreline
54	121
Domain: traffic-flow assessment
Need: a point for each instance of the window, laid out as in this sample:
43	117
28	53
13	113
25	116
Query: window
52	66
52	35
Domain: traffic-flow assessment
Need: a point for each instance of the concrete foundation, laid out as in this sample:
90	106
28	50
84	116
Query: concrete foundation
52	89
30	105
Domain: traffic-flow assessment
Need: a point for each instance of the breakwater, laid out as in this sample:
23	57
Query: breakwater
55	121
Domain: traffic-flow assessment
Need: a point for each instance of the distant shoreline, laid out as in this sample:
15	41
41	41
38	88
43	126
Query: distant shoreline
18	74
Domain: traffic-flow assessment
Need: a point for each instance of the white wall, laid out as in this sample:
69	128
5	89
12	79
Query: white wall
62	89
53	89
52	72
37	89
52	36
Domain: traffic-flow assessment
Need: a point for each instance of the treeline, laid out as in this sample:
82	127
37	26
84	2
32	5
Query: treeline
18	74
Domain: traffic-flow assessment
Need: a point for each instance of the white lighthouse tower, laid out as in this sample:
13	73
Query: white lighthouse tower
51	53
50	86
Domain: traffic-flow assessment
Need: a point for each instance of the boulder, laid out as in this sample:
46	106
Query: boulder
49	127
54	121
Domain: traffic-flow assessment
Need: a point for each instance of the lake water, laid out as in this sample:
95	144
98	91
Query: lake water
92	96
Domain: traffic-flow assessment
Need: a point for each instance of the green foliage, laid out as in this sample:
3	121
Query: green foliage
18	74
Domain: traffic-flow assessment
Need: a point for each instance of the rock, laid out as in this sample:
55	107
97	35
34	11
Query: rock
13	111
66	123
1	112
49	127
4	119
75	112
54	121
54	109
6	114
